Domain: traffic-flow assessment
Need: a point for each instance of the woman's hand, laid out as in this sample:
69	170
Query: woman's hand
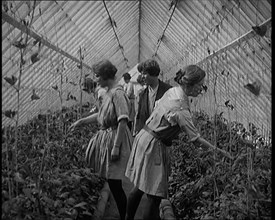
122	124
115	153
75	125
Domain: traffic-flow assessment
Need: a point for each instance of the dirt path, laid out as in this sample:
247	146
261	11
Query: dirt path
111	212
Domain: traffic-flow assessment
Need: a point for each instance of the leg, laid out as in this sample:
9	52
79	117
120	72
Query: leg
130	125
152	208
133	201
119	196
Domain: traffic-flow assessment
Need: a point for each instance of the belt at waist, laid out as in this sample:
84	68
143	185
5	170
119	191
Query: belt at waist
155	135
150	131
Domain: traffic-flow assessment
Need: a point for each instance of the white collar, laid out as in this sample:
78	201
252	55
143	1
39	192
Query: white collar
153	90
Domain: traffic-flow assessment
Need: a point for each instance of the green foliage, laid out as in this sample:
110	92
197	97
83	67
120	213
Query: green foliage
52	181
203	185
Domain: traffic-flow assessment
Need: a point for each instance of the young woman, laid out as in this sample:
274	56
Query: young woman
148	163
111	146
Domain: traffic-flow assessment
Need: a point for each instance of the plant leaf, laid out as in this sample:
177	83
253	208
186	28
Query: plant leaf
226	103
260	30
11	80
80	205
28	192
73	83
10	113
64	195
18	178
254	87
34	96
34	58
19	45
55	87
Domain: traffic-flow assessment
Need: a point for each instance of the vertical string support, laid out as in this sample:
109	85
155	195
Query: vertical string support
60	69
7	159
229	114
215	132
80	82
18	111
215	141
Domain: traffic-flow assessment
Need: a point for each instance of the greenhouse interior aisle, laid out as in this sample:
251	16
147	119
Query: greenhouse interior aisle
74	73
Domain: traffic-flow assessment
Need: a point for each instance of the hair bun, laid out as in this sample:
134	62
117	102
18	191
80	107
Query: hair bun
179	74
190	75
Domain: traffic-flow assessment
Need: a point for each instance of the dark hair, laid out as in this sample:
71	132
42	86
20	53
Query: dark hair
190	75
139	67
149	66
126	76
105	69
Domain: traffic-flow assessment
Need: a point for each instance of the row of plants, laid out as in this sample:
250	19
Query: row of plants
51	180
43	170
205	185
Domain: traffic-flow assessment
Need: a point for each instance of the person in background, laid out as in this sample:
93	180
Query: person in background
110	148
147	167
147	97
129	89
140	84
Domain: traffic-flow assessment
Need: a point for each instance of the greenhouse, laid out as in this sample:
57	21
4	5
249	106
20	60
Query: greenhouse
141	109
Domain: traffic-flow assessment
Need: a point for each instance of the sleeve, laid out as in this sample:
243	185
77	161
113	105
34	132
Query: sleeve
121	103
130	90
184	120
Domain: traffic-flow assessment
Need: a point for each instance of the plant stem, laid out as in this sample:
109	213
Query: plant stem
61	101
44	153
215	135
230	138
18	114
7	160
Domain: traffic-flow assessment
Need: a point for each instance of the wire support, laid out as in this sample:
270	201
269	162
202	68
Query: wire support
160	39
120	46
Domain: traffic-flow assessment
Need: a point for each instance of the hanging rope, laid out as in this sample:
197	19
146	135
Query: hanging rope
22	51
112	24
161	37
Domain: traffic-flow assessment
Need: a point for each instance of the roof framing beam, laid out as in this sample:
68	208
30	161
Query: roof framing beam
237	41
36	36
227	47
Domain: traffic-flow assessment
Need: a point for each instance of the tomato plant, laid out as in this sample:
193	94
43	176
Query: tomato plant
52	179
207	186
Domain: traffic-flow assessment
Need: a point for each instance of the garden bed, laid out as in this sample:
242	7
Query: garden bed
205	185
51	180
